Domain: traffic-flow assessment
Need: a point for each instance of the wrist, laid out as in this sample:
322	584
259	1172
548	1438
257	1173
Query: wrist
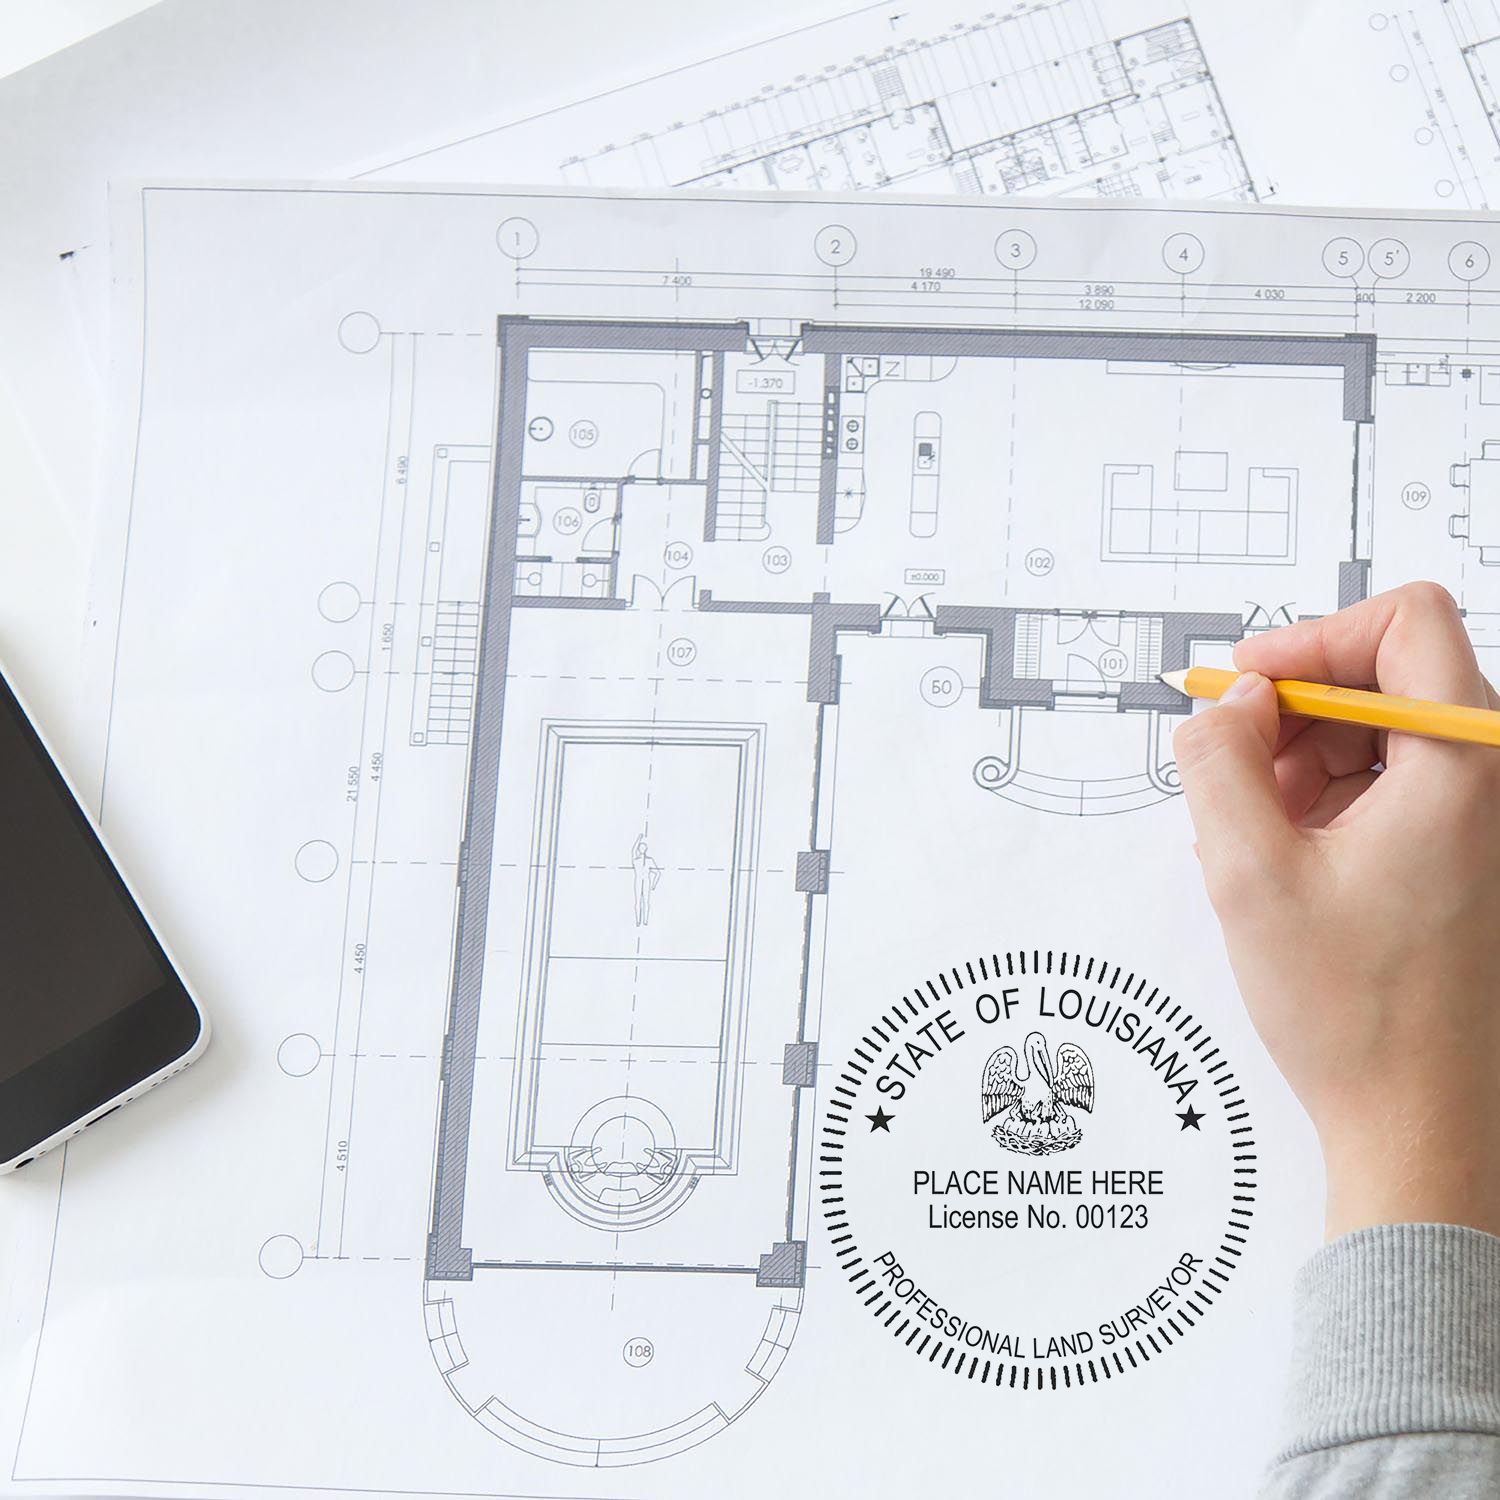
1409	1168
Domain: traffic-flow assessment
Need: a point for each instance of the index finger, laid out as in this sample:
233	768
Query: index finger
1410	640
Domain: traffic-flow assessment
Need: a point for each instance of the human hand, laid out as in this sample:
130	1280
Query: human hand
1361	905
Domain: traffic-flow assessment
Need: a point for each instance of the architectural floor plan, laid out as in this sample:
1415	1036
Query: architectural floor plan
1116	100
626	656
1119	99
1439	62
1041	99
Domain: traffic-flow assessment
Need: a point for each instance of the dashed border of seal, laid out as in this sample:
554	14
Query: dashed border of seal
923	1341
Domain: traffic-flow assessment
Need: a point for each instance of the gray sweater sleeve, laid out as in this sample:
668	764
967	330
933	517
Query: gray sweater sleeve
1395	1377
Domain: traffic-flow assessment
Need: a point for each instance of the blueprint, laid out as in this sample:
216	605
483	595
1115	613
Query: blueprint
1121	99
643	719
1333	103
649	719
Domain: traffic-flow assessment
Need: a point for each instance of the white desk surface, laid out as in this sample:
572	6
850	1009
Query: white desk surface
34	29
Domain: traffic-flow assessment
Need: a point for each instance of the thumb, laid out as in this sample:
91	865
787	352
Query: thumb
1224	755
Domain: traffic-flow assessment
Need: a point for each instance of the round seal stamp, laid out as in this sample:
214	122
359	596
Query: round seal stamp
1037	1170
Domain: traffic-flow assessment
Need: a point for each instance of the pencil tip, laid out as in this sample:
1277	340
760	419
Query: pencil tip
1176	680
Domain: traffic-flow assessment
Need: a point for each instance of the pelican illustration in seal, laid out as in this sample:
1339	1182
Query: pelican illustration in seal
1030	1105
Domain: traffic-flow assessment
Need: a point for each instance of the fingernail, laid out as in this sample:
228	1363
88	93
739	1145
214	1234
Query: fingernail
1246	682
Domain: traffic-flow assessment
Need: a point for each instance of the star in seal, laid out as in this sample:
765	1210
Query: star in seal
880	1120
1190	1118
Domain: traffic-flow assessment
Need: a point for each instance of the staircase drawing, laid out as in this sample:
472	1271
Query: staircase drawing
455	657
1026	662
1148	649
1076	797
779	450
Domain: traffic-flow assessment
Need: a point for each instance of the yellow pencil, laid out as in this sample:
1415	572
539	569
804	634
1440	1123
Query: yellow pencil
1317	700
